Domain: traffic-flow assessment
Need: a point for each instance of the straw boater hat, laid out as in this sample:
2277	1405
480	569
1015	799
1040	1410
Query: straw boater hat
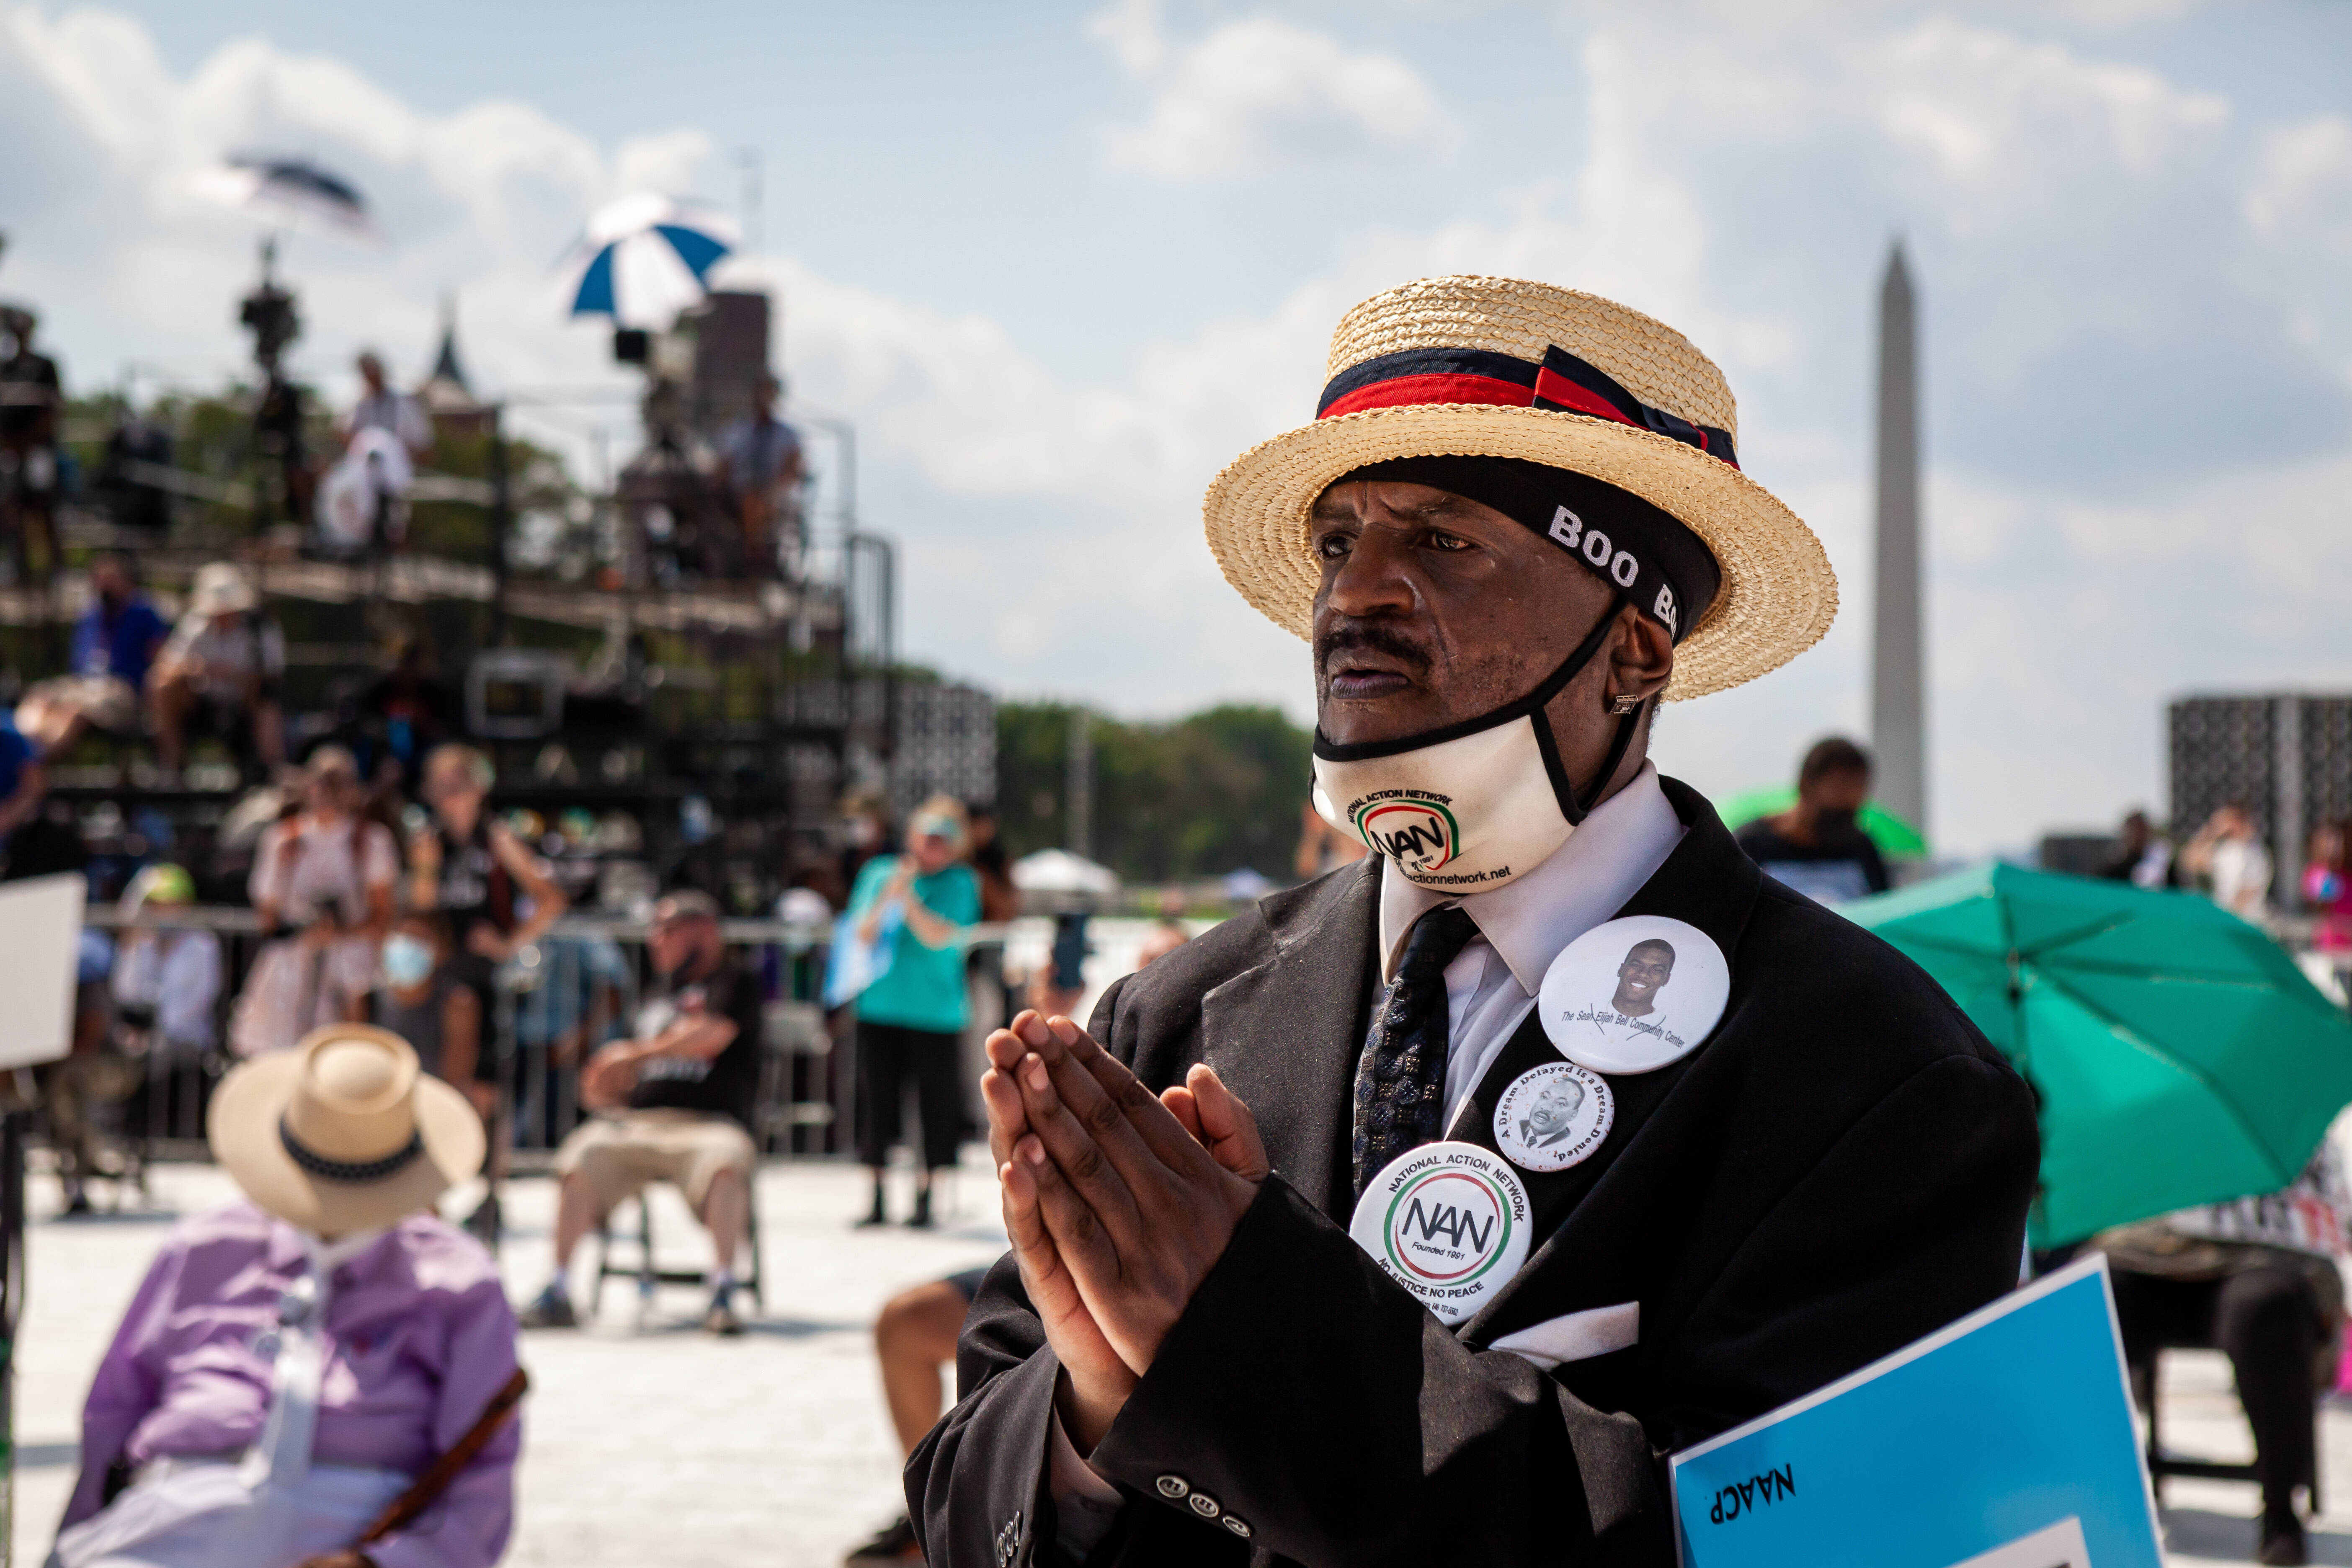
1496	367
343	1132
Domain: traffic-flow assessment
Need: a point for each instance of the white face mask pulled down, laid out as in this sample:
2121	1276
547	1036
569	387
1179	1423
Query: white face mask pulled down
1469	807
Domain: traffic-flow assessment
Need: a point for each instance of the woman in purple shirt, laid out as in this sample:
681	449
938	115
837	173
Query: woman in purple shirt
294	1363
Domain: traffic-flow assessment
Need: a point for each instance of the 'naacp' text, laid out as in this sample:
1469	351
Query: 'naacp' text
1741	1496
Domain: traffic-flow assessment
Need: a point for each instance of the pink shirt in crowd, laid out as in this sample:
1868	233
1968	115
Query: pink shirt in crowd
2329	892
419	1338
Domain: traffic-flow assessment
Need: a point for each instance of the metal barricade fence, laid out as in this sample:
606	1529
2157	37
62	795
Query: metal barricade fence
577	988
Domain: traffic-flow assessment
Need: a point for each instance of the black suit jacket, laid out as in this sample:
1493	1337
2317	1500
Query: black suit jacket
1841	1168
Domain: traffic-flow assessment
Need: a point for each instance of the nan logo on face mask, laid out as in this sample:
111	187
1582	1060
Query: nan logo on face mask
1415	830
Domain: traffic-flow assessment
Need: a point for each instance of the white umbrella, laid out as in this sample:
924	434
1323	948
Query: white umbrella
290	193
642	260
1059	872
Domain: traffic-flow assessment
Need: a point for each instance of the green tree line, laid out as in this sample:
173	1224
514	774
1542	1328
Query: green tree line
1191	797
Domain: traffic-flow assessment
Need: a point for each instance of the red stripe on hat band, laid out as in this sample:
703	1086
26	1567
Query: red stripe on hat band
1559	383
1406	391
1553	387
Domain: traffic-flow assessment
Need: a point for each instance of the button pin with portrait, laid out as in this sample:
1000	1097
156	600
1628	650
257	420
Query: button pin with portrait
1634	994
1554	1116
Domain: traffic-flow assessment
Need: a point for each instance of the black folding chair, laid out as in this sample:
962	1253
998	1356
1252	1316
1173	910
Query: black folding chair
646	1268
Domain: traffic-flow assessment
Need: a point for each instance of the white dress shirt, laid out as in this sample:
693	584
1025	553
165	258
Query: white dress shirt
1524	923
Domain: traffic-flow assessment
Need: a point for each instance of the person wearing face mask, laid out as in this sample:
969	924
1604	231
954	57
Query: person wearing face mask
1817	846
677	1103
1516	525
423	1000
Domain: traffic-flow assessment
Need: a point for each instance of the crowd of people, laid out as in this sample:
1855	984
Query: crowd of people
2227	859
738	512
218	672
361	1098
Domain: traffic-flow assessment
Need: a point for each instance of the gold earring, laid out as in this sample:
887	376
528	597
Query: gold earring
1625	704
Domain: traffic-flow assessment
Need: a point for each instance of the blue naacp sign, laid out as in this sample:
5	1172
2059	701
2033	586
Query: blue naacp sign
2002	1441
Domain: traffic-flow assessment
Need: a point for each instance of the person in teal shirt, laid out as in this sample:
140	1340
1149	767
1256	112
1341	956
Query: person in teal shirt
910	1017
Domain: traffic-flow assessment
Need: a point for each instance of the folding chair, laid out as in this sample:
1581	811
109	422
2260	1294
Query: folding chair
648	1273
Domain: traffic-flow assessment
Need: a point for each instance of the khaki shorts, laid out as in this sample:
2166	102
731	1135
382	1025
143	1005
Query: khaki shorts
618	1154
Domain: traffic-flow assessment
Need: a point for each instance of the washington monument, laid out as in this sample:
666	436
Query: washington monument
1898	720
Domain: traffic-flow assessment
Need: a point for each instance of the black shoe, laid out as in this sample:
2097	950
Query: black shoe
721	1319
880	1217
552	1308
2281	1542
921	1219
896	1544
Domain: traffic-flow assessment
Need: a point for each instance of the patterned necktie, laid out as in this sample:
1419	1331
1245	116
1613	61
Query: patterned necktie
1400	1077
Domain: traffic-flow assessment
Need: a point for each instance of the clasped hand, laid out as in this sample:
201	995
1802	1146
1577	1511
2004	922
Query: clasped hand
1118	1202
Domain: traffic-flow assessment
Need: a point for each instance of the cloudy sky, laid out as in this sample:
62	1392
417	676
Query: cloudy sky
1058	263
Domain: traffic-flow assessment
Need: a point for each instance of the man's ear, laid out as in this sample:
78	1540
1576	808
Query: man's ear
1640	659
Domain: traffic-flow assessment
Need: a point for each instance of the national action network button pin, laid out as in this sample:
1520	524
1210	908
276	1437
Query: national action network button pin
1448	1221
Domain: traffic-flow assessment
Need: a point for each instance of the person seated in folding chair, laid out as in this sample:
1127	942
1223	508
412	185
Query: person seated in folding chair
323	1374
2260	1279
674	1104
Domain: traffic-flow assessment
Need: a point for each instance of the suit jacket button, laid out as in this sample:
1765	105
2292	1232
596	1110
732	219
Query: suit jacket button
1174	1488
1238	1525
1205	1505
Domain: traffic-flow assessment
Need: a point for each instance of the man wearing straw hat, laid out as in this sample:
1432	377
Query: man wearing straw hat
1290	1284
323	1374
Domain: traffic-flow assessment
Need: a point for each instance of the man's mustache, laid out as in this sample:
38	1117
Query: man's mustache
1373	637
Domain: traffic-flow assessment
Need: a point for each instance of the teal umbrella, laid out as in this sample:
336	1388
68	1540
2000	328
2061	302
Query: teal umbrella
2180	1055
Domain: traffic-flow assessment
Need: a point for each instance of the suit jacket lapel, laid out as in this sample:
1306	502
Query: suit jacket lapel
1286	1034
1708	881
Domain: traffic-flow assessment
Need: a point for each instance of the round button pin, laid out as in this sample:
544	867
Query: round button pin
1634	994
1448	1221
1554	1116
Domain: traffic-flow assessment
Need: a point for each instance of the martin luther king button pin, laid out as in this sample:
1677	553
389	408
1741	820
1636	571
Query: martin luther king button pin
1553	1116
1448	1222
1634	994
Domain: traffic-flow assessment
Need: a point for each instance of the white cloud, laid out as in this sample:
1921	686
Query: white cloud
1261	95
670	162
2007	126
131	263
2302	188
2091	236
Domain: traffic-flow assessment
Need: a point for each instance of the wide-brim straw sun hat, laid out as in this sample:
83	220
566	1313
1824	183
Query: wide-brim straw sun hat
1500	367
344	1133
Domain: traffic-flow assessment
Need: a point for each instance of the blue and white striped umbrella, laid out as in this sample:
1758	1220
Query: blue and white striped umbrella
643	259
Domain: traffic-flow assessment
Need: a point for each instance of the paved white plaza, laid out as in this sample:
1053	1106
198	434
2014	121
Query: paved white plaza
654	1444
